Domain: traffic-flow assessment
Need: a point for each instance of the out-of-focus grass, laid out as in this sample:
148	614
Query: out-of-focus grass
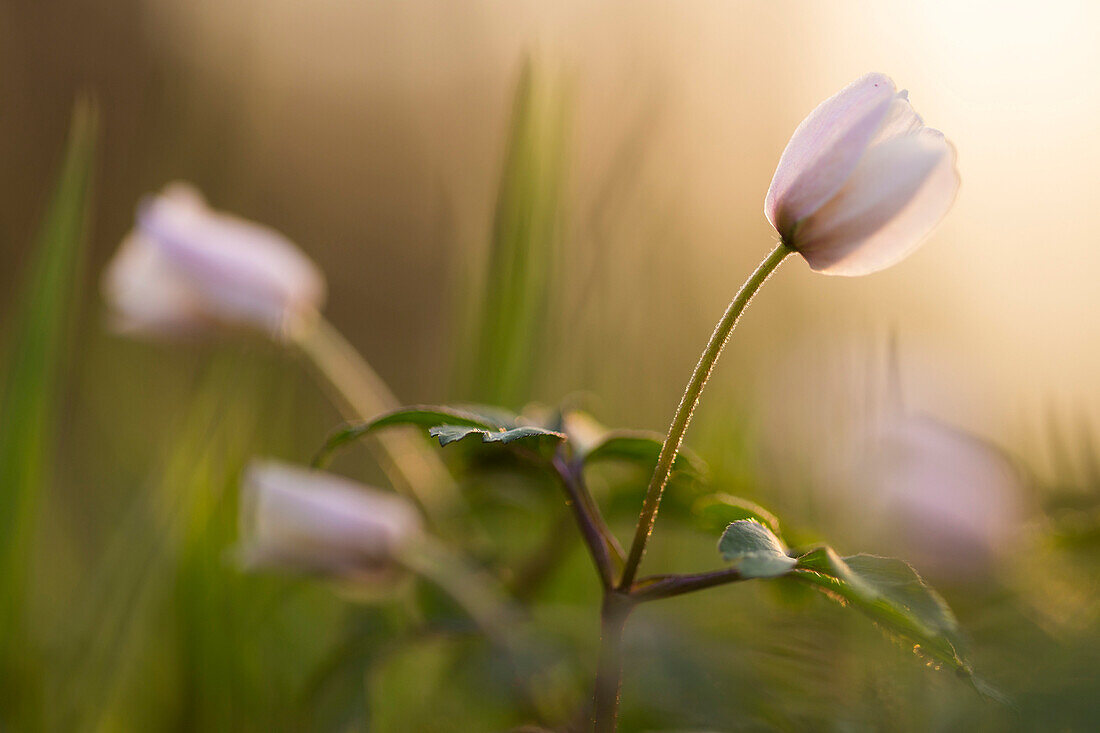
36	359
508	301
165	631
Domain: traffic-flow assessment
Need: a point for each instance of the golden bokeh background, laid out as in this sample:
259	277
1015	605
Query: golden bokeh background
372	133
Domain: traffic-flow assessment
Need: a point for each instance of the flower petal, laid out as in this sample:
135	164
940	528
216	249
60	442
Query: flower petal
825	149
245	271
146	294
901	119
314	520
900	191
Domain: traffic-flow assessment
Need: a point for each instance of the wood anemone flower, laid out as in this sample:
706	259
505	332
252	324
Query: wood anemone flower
862	181
312	521
186	267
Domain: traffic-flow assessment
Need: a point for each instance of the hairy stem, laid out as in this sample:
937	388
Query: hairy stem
687	406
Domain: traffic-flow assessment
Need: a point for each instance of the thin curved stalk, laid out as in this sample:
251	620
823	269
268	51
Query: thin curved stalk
688	402
361	394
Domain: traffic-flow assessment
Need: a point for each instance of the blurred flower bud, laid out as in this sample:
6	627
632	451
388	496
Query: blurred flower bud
947	500
185	267
862	181
313	521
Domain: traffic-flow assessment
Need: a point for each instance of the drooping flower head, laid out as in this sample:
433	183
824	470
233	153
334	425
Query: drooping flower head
186	267
862	181
313	521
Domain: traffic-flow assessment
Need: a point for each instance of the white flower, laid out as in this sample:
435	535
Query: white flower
185	267
295	518
862	181
950	500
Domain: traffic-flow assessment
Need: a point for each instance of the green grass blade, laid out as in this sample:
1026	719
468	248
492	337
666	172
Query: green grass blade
34	366
527	228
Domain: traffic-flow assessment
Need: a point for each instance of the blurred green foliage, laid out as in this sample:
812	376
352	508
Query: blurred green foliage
35	364
168	633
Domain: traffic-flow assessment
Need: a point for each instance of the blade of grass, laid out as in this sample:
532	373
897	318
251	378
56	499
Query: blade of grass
167	633
34	367
526	231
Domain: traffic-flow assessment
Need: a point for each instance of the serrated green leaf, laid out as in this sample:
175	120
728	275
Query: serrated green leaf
893	594
419	415
825	560
538	437
644	448
754	549
715	511
898	581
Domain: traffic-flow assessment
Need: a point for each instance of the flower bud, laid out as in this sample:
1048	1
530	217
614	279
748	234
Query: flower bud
185	268
313	521
862	181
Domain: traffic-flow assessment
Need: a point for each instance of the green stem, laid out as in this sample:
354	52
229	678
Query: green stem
609	669
667	586
597	536
687	406
361	394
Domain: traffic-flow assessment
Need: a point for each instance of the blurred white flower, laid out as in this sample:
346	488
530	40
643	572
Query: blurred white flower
845	450
295	518
949	500
185	267
862	181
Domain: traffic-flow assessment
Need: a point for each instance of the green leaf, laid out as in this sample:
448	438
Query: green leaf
715	511
535	437
892	593
754	549
419	415
643	448
429	416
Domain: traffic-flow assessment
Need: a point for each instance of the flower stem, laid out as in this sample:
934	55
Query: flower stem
601	543
609	669
687	406
667	586
361	394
